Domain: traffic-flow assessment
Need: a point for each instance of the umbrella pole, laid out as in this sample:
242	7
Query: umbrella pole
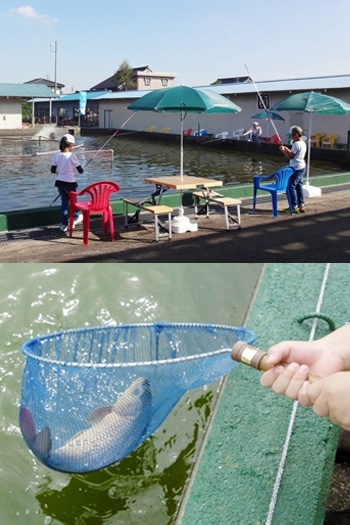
180	223
310	191
309	152
182	147
181	209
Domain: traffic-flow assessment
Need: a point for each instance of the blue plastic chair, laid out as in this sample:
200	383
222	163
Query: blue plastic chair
202	133
279	184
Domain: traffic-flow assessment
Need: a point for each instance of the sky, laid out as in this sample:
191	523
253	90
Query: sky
199	41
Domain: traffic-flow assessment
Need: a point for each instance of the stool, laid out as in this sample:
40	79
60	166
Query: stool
160	209
155	210
225	202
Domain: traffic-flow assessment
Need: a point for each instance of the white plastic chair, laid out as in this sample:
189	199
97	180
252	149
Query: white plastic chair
238	134
222	135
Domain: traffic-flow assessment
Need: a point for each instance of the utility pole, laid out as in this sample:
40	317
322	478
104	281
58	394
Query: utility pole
54	49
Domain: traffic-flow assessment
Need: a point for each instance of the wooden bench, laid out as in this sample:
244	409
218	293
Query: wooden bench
210	196
155	209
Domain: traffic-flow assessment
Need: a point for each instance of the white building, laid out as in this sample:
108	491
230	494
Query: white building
11	98
113	109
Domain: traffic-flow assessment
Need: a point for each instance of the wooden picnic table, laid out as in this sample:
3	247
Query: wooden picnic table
187	182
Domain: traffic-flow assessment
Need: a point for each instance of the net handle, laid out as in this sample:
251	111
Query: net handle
256	358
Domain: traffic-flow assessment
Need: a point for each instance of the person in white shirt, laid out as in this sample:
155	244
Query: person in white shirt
63	163
296	156
254	132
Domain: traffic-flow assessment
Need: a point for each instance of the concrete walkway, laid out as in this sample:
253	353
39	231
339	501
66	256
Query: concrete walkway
322	234
239	479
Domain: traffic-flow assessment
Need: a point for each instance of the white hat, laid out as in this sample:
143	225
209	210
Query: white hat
69	138
256	124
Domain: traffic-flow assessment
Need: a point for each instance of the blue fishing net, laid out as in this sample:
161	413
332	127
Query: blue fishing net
90	396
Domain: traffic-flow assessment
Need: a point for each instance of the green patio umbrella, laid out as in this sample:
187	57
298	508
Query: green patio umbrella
311	102
269	116
183	100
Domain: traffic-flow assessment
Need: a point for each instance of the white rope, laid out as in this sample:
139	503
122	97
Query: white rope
294	411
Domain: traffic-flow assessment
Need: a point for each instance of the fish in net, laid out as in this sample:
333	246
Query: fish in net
90	396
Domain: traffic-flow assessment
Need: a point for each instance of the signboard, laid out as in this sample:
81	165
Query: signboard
266	98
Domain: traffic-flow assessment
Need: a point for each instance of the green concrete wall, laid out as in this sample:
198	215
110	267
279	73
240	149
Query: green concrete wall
234	479
36	217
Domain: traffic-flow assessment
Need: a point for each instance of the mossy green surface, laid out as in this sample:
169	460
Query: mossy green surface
235	476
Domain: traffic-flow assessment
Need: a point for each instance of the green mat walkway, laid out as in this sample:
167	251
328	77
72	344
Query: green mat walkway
235	479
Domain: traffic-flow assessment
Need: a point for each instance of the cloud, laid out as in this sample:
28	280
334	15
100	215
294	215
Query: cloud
30	13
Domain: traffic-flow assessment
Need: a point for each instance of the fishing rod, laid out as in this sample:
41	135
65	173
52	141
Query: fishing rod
110	138
256	88
212	140
103	145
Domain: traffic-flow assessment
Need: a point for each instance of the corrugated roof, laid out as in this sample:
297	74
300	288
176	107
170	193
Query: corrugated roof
76	96
26	91
136	93
295	84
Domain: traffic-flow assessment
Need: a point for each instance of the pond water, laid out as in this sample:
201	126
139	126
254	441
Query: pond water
148	485
26	181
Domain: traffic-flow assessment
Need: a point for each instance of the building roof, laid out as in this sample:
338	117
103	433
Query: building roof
232	80
110	85
107	85
294	84
26	91
75	97
136	93
90	95
48	83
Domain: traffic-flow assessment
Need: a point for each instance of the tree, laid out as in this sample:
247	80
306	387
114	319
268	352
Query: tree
26	112
124	77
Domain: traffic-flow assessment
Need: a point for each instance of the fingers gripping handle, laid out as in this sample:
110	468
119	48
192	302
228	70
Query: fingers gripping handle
252	356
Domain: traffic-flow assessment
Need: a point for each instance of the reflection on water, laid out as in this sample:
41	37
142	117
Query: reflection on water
26	180
147	486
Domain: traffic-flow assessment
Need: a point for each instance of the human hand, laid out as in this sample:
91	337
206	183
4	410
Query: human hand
303	358
329	397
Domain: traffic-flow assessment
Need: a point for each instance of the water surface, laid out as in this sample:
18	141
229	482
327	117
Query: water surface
26	181
147	486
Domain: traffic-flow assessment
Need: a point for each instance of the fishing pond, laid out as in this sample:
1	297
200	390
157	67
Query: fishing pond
149	484
27	183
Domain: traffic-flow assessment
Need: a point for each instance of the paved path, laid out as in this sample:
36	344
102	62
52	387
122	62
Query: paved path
322	234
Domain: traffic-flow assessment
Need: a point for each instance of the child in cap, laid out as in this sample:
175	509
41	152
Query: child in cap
296	156
63	163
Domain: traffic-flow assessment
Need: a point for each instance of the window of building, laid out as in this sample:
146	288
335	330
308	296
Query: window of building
147	81
164	82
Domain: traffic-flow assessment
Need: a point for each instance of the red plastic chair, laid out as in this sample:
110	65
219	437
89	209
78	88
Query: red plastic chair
274	139
99	193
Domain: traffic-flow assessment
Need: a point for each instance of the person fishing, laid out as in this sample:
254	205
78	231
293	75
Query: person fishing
296	156
63	164
254	132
